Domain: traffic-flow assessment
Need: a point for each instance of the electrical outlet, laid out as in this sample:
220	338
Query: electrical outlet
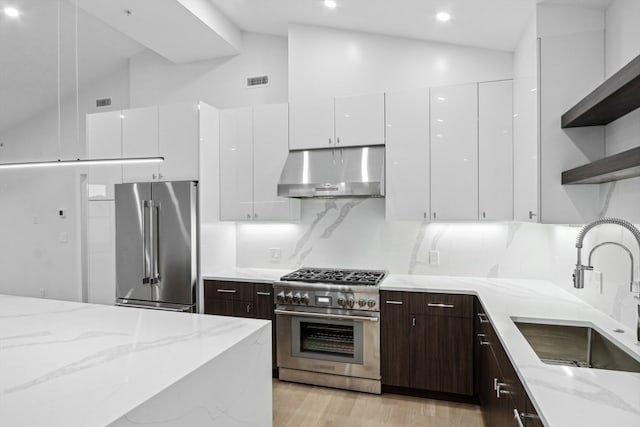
275	254
63	237
434	257
42	293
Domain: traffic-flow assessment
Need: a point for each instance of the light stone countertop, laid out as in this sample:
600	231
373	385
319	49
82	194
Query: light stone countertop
564	396
75	364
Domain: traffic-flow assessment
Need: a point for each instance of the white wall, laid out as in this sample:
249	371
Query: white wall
325	62
33	259
218	82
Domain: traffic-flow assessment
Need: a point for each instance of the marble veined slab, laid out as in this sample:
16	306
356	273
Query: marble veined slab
260	275
72	364
564	396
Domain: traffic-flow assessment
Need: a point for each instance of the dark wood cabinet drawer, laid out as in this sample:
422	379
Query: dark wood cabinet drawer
227	290
433	304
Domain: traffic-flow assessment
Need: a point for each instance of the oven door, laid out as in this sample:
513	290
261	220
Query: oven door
336	342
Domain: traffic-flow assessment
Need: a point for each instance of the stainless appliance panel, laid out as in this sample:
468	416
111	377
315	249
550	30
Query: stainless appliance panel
173	220
133	257
368	343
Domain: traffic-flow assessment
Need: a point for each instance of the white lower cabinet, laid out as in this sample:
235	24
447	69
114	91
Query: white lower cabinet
407	155
101	252
454	152
495	150
253	149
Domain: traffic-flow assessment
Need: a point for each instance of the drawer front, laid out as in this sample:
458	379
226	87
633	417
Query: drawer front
228	290
433	304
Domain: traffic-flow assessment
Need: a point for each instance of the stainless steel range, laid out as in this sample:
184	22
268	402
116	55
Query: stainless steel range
328	327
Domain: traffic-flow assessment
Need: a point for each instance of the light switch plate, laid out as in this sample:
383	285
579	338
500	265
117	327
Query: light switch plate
434	257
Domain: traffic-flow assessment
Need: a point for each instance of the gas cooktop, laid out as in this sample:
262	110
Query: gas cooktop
336	276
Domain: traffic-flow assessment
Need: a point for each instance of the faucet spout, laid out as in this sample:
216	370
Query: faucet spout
578	274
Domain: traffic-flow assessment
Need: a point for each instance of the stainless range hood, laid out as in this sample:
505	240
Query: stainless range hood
334	172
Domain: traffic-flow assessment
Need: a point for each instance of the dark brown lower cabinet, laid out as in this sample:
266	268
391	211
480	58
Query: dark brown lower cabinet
427	342
442	354
502	396
241	299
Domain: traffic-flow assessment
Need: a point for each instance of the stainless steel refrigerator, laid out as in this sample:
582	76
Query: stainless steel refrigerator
156	245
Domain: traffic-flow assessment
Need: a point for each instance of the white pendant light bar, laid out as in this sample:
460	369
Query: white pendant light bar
78	162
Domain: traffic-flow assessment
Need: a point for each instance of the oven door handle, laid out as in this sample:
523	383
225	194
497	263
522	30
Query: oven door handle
325	316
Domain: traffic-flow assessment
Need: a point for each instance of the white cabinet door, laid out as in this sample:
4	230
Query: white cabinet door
454	152
495	150
178	142
407	155
140	139
101	239
236	164
104	141
270	149
311	125
359	120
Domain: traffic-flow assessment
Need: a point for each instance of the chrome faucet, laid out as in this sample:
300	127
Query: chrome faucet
578	274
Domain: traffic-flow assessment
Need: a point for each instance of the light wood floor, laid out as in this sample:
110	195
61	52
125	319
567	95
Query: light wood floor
299	405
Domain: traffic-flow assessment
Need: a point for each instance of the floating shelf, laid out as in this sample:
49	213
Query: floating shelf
617	96
613	168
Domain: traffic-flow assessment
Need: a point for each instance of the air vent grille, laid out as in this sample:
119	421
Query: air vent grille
104	102
257	81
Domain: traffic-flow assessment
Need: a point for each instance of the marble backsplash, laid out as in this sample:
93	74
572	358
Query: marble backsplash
353	233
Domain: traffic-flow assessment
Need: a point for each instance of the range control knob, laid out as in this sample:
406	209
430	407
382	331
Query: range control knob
351	302
288	297
361	303
280	296
341	301
296	298
371	303
304	299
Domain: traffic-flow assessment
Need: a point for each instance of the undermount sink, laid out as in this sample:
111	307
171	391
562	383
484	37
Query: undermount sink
579	346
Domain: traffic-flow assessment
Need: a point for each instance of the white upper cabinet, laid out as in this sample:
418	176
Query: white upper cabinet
359	120
311	125
495	148
270	149
103	136
253	150
236	164
140	139
454	152
178	142
341	122
407	155
170	131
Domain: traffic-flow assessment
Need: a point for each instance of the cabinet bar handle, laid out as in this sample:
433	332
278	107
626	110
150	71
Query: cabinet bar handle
413	321
483	318
481	340
516	416
266	294
248	308
394	302
440	305
227	291
501	389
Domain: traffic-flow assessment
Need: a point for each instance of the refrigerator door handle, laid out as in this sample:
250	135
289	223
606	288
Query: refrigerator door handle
154	236
146	270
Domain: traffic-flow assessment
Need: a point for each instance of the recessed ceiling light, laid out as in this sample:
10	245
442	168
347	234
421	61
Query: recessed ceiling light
331	4
443	16
11	12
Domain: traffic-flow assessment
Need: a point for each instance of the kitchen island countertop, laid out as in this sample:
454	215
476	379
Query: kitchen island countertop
74	364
